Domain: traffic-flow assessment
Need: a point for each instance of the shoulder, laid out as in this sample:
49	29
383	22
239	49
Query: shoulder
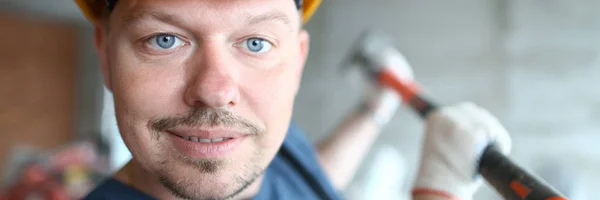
112	189
298	149
297	141
295	171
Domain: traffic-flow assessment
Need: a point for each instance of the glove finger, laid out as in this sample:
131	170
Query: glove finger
382	103
502	140
496	133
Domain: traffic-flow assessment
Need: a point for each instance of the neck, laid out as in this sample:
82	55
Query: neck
135	176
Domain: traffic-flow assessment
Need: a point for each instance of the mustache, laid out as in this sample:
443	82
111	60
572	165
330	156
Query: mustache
206	118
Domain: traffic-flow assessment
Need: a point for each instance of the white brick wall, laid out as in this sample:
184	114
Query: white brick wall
533	63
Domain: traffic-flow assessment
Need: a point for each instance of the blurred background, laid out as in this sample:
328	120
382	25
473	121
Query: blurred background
535	64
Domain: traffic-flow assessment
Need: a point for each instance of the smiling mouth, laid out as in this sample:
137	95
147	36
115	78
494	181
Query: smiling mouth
205	140
206	145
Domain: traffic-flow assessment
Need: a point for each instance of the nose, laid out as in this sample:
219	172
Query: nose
213	84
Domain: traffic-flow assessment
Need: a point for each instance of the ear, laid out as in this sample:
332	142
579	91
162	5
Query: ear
101	43
304	40
304	45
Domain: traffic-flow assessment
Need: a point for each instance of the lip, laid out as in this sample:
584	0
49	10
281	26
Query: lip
206	133
200	150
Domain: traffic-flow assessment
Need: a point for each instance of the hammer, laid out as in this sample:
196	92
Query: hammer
373	52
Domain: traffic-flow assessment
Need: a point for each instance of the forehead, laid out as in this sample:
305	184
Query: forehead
205	11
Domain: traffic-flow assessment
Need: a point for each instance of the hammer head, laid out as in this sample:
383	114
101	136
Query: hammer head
373	51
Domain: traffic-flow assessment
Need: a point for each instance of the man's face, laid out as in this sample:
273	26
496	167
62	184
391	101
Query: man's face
203	89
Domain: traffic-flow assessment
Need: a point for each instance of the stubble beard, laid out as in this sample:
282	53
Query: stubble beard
208	169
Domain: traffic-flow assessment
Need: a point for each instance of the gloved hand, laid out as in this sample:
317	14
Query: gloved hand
381	104
383	101
455	138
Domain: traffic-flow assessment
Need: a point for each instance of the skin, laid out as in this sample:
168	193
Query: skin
211	79
342	152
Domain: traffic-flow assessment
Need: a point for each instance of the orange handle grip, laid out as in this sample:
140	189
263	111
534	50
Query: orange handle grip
407	90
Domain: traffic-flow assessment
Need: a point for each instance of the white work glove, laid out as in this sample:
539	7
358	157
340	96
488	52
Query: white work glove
455	138
381	103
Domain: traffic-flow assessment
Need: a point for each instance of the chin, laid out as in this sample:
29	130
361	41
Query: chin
207	179
202	187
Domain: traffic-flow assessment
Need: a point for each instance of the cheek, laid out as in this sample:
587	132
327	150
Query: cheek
142	91
270	96
145	89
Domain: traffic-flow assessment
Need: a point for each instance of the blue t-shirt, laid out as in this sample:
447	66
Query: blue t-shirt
293	174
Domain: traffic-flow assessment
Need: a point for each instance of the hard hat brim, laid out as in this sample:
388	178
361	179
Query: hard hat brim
92	12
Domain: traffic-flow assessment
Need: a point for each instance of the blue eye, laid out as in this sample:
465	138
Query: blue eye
165	41
257	45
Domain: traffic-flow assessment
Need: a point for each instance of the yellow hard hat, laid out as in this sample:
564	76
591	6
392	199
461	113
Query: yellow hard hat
92	9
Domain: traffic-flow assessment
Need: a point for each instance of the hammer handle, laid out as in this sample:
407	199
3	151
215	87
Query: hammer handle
510	180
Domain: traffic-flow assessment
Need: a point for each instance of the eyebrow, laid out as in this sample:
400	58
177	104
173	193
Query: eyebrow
269	17
250	20
139	16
